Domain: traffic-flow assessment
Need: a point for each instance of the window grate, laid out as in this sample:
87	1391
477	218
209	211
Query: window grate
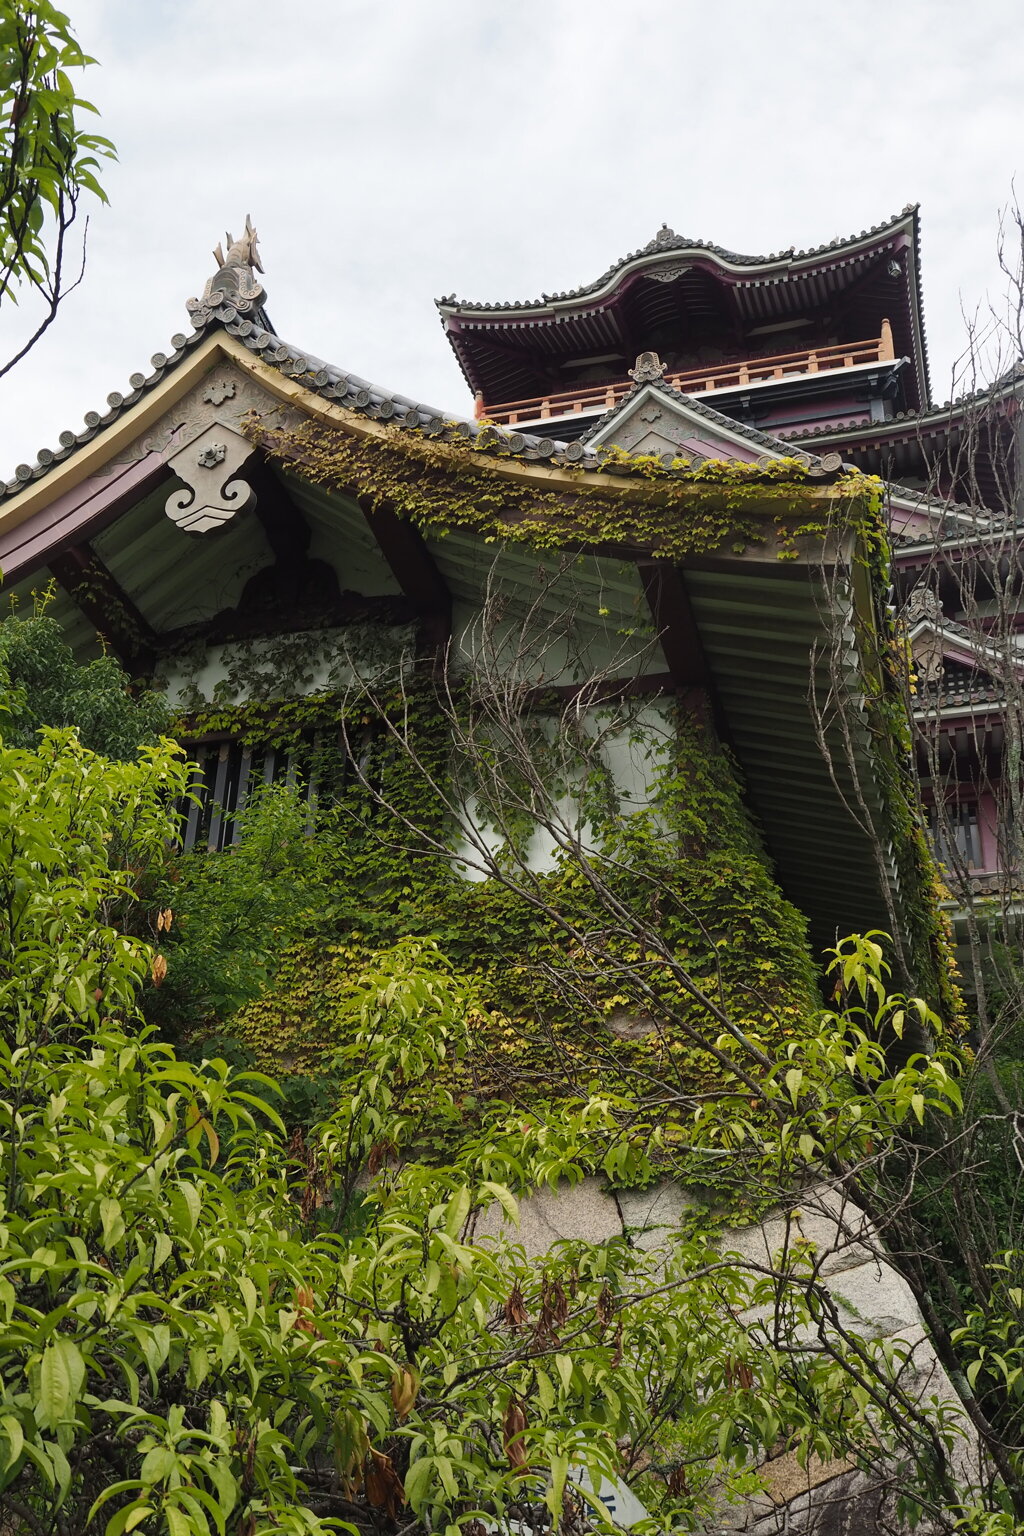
953	831
225	775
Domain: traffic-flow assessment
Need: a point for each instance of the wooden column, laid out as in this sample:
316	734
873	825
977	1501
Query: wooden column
675	623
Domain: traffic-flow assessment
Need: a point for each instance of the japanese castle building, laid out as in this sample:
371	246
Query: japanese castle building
175	530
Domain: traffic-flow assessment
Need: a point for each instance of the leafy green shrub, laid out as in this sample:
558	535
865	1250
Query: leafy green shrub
234	912
75	832
196	1336
42	683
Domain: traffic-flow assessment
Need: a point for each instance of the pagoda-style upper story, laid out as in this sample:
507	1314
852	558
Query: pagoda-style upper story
798	341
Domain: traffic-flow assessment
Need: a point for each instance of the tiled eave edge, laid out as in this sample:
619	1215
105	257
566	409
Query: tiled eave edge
312	387
570	475
678	247
174	374
932	420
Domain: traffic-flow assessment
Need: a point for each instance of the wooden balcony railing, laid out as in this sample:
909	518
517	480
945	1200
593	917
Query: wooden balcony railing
756	370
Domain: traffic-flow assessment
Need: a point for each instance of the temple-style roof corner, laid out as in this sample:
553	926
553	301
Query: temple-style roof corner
851	301
667	241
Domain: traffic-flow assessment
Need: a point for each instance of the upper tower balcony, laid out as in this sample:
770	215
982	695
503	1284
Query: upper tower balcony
565	405
796	340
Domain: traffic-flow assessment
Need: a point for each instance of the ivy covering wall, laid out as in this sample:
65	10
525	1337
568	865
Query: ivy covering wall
691	865
716	900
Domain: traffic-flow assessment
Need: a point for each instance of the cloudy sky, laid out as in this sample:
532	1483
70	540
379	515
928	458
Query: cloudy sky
392	152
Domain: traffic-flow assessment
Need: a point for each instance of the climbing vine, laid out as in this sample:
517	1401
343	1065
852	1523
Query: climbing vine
673	511
716	902
690	867
928	934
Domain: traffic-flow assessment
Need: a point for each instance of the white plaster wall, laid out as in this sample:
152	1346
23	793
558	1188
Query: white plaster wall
560	648
632	757
328	659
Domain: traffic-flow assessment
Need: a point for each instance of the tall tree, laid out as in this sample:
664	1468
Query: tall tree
48	159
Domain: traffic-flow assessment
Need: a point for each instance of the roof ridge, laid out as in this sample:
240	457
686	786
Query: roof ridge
355	393
233	300
667	240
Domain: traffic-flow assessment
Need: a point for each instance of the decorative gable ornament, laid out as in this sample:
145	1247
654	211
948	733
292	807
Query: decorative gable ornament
235	284
924	603
209	465
657	419
648	368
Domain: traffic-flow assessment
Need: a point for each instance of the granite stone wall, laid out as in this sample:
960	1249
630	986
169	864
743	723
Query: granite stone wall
873	1301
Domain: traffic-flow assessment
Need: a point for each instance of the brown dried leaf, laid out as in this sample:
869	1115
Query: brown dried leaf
515	1308
158	969
404	1390
605	1306
513	1425
554	1303
382	1485
304	1301
617	1351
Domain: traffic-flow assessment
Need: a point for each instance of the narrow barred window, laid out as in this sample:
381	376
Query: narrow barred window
228	772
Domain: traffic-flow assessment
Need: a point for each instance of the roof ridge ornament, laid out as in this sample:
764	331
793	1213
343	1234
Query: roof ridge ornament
235	285
925	605
648	369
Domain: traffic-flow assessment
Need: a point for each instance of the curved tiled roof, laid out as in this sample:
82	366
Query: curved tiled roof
319	377
666	240
334	383
930	416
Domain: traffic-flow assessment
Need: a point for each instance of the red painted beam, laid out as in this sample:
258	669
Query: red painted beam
76	515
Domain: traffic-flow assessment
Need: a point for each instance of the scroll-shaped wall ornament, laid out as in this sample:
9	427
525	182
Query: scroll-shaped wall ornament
209	466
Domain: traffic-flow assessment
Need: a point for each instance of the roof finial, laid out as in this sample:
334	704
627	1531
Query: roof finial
648	369
235	284
241	253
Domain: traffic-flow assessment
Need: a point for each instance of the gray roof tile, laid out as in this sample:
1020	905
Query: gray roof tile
349	389
667	240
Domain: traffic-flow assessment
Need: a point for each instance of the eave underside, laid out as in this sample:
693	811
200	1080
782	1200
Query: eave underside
760	636
756	624
698	310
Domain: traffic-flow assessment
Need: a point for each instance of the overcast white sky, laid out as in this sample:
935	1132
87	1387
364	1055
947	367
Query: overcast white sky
392	152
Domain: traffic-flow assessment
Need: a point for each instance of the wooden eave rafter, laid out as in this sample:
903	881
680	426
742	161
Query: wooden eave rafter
675	624
283	524
99	597
412	566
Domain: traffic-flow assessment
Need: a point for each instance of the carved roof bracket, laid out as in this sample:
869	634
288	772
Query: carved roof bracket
215	491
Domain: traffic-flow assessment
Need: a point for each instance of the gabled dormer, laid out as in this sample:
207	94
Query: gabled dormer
655	418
